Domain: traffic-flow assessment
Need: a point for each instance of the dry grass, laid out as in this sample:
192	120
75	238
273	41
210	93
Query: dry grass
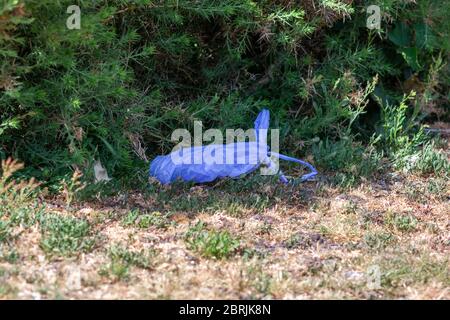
310	242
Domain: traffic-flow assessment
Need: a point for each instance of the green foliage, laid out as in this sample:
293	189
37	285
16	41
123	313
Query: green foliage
401	222
399	271
378	240
115	89
426	160
211	243
9	254
136	258
303	240
406	142
65	236
122	259
144	221
19	207
415	37
396	127
349	158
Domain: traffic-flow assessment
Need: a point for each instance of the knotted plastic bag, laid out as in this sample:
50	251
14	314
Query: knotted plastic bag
202	164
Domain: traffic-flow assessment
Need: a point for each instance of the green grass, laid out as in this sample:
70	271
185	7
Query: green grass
378	240
211	243
5	232
64	235
19	206
259	281
9	254
121	259
212	202
435	187
145	220
402	271
262	192
303	240
401	222
141	259
6	289
348	158
431	160
320	247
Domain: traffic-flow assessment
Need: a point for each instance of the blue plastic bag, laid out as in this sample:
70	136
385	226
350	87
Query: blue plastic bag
199	164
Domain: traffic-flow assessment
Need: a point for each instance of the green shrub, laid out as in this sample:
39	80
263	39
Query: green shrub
406	143
115	89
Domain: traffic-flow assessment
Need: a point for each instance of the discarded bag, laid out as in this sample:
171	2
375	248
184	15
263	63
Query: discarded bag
200	163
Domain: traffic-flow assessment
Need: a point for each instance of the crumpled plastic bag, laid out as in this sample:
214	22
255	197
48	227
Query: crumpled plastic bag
247	157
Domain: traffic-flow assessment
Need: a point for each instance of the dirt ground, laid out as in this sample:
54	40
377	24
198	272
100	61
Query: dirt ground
386	238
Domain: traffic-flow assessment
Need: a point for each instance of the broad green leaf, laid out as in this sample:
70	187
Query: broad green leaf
410	55
400	35
424	36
